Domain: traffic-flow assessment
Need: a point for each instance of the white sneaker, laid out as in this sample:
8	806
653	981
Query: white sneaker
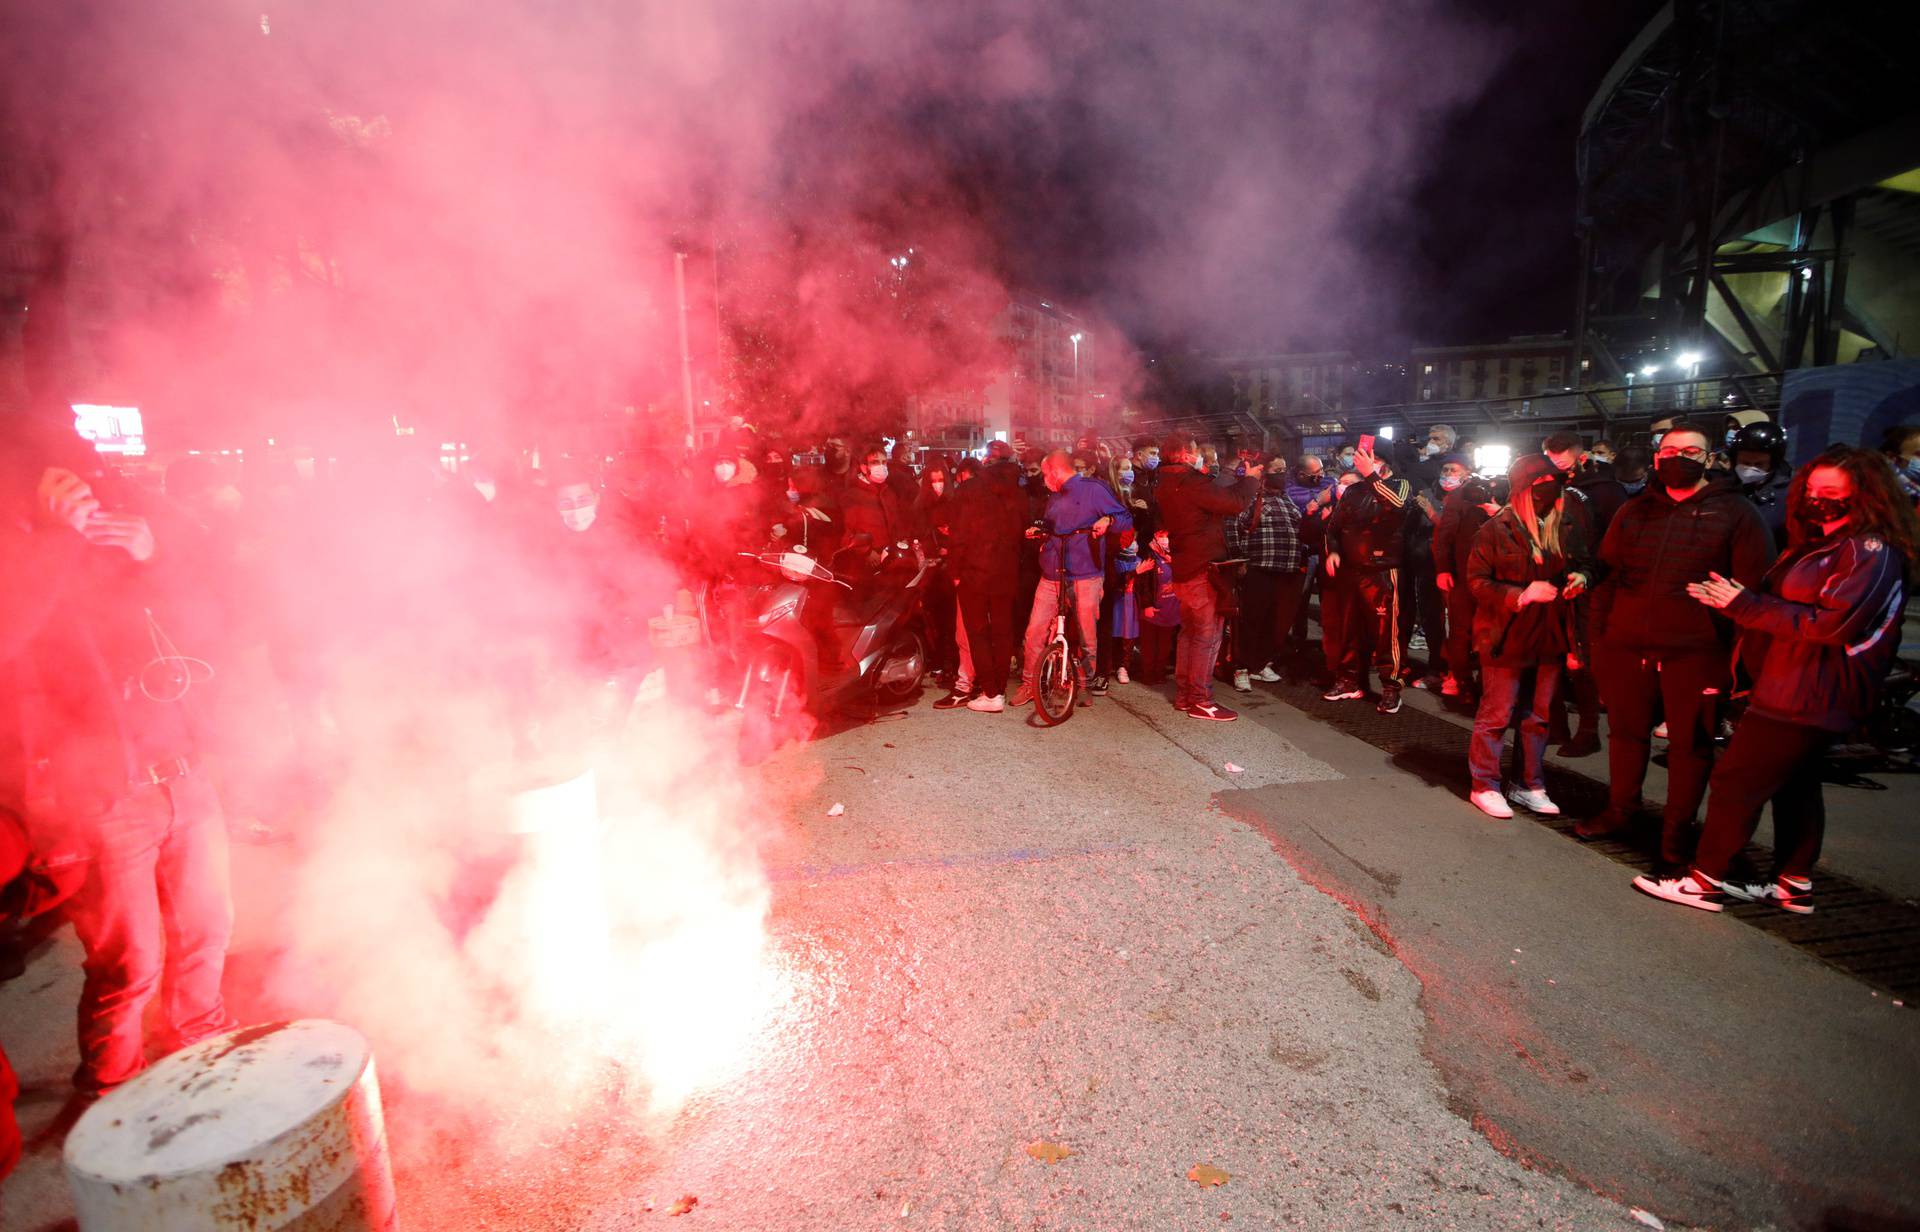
1690	890
1242	683
1491	803
1534	801
1267	675
1120	675
988	705
1418	641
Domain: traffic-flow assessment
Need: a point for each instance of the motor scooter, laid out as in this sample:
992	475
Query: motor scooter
878	650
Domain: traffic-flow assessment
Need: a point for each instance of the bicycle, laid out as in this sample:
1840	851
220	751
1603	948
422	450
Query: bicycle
1058	679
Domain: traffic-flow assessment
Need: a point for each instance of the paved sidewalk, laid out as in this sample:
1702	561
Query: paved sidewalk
1099	937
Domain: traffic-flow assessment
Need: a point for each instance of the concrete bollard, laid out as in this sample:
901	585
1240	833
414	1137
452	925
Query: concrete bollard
275	1126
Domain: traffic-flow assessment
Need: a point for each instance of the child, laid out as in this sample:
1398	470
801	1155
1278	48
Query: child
1123	621
1159	609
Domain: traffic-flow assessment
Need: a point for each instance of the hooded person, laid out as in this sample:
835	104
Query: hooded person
1524	571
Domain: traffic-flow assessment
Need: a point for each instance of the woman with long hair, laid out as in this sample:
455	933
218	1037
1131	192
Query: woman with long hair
1525	570
1817	636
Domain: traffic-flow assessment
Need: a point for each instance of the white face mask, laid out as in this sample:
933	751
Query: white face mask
1752	474
1433	447
578	519
725	471
1161	543
1449	482
877	473
939	489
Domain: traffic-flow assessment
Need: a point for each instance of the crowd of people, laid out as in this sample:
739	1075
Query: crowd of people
1677	585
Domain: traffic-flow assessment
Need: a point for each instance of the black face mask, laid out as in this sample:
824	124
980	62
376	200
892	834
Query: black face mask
1680	472
1817	511
1545	495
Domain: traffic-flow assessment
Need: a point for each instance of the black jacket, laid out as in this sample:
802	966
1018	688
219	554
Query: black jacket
1657	545
1369	524
1460	520
988	519
1820	633
874	510
1604	495
1195	509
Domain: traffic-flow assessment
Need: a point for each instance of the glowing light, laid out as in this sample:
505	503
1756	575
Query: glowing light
1492	459
1689	359
111	429
1386	433
1650	370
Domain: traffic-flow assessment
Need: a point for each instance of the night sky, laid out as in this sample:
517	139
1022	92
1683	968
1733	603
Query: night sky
1494	243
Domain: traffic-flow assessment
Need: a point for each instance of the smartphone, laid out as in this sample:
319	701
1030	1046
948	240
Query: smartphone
1366	442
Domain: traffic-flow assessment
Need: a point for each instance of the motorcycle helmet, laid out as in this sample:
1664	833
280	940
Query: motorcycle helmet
1762	436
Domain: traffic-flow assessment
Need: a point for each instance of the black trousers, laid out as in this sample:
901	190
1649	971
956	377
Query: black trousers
1767	760
987	607
1269	601
1637	686
1460	632
1433	618
1369	612
1156	651
942	603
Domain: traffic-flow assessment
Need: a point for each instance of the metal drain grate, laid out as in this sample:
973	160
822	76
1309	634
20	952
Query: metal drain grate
1859	930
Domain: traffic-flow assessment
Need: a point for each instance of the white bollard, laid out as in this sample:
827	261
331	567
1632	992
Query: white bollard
275	1126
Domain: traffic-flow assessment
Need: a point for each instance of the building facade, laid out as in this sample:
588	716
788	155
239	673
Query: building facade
1520	367
1050	388
1293	385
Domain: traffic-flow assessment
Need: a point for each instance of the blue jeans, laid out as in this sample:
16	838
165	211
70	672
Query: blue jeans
153	916
1199	642
1500	688
1086	618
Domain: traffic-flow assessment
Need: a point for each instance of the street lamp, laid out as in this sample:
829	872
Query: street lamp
1079	407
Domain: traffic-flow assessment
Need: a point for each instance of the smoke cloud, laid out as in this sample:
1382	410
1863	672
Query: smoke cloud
316	221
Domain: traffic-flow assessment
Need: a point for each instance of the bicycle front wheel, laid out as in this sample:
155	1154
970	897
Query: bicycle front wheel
1053	692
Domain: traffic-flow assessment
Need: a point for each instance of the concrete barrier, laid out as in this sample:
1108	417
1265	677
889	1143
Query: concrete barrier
268	1127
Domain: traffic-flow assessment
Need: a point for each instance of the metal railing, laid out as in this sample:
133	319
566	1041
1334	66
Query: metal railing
1602	406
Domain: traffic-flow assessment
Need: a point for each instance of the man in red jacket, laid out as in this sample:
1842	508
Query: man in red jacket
1655	649
1194	509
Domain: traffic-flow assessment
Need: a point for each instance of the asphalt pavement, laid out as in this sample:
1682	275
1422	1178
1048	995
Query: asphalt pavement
1046	978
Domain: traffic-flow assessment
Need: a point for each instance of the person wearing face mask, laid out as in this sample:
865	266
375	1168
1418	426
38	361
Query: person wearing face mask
902	477
1901	446
1654	645
1366	539
1343	461
986	519
930	504
1468	507
1524	571
1631	466
1818	635
1145	455
1422	588
1759	464
1425	472
875	519
1159	607
1194	510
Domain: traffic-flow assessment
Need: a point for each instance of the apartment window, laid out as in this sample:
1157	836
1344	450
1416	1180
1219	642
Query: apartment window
1427	370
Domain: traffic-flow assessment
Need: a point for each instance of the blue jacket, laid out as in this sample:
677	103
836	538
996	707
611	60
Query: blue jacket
1822	630
1078	504
1300	493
